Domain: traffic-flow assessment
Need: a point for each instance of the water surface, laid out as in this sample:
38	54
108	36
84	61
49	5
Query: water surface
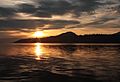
22	62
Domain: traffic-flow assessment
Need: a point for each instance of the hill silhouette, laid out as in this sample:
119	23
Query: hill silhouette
70	37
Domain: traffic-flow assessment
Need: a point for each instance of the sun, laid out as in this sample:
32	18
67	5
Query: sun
38	34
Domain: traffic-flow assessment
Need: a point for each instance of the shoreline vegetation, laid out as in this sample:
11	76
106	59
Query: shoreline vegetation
70	37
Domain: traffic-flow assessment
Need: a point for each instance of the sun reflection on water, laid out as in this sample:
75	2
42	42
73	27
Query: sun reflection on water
38	51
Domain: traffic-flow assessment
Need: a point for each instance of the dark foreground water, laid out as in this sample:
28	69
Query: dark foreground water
59	62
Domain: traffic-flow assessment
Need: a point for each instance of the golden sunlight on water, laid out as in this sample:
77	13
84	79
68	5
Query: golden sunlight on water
38	51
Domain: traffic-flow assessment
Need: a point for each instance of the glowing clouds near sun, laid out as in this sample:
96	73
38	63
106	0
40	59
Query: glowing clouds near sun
38	34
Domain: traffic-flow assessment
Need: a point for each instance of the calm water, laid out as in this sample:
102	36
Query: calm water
99	62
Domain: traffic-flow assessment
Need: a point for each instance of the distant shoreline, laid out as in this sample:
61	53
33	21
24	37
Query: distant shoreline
70	37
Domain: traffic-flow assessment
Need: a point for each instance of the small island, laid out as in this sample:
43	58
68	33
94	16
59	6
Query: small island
70	37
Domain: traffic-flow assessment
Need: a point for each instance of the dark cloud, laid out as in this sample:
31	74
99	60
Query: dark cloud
31	9
47	8
60	7
26	8
98	23
118	9
55	7
42	14
32	24
88	6
113	5
7	12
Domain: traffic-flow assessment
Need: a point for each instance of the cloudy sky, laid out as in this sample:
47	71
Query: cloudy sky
21	18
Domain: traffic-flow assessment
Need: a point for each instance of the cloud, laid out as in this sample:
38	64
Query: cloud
51	8
113	5
13	3
33	24
102	22
26	8
7	12
55	7
60	7
48	8
118	8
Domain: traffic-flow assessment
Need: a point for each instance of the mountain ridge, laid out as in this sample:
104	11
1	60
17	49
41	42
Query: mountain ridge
70	37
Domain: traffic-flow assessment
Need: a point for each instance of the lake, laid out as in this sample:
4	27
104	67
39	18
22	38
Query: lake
46	62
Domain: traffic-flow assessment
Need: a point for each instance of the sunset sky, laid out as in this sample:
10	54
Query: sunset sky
21	18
